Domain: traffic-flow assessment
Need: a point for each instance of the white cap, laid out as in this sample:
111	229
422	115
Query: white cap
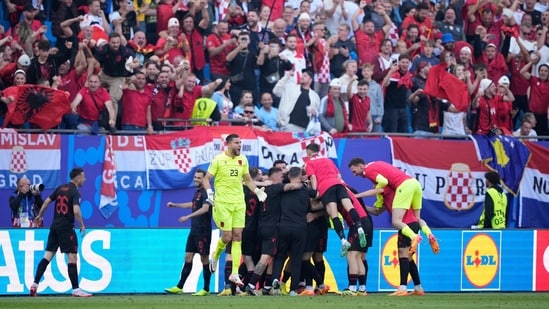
304	16
335	83
507	12
24	60
504	80
173	22
484	84
466	49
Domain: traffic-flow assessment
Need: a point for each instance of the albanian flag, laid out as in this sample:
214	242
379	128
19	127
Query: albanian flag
444	85
39	105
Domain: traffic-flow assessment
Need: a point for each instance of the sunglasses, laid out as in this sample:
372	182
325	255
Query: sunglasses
248	112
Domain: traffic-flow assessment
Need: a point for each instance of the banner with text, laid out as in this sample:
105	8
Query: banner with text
34	156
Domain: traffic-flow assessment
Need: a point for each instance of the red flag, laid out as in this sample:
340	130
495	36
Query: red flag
444	85
39	105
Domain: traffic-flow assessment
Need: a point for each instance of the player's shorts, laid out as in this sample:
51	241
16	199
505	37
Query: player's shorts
317	235
334	194
268	236
404	241
199	244
63	238
250	242
409	193
228	216
368	227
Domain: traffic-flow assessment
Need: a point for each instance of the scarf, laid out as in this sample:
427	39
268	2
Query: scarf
330	111
404	79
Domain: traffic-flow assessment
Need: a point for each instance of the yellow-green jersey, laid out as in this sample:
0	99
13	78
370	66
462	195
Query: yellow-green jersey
228	173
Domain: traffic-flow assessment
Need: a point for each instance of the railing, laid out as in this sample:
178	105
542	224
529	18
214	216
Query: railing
177	124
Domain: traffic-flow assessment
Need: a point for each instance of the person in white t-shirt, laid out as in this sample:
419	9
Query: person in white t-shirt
527	124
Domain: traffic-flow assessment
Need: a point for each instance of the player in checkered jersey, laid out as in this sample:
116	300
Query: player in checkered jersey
406	265
408	195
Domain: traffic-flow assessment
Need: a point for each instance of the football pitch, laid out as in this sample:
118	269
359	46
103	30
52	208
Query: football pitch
373	300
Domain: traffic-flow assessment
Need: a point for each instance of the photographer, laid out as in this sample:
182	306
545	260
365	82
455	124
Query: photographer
25	203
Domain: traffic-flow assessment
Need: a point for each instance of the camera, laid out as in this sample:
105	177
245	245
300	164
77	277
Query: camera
394	61
37	187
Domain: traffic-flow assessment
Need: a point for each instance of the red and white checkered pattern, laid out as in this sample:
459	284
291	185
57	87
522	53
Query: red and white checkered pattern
183	159
316	140
18	162
459	194
323	75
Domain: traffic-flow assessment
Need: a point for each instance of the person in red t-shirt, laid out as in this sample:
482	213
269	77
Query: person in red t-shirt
325	177
88	104
187	94
420	18
219	43
487	101
136	111
195	38
539	91
173	44
360	115
408	195
368	41
164	11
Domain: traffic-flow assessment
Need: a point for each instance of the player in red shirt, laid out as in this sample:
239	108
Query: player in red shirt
406	265
408	195
326	179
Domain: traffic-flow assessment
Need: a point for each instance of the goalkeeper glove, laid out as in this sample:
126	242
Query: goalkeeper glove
211	196
261	195
379	201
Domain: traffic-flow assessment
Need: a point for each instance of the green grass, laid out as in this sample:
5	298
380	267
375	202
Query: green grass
373	300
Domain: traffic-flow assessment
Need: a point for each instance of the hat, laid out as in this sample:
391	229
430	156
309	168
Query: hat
484	84
20	71
466	49
335	83
173	22
491	45
24	60
504	80
304	16
447	38
507	13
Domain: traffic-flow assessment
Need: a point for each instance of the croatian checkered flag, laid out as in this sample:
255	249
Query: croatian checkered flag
18	162
182	154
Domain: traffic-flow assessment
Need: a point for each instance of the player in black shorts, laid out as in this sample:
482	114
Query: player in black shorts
199	238
292	235
251	246
317	240
356	257
269	216
62	234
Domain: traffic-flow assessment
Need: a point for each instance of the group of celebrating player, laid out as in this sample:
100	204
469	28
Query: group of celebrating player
284	218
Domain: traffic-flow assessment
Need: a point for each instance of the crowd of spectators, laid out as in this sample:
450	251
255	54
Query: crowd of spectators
359	66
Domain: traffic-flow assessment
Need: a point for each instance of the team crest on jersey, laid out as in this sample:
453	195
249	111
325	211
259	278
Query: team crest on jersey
240	162
459	194
181	150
